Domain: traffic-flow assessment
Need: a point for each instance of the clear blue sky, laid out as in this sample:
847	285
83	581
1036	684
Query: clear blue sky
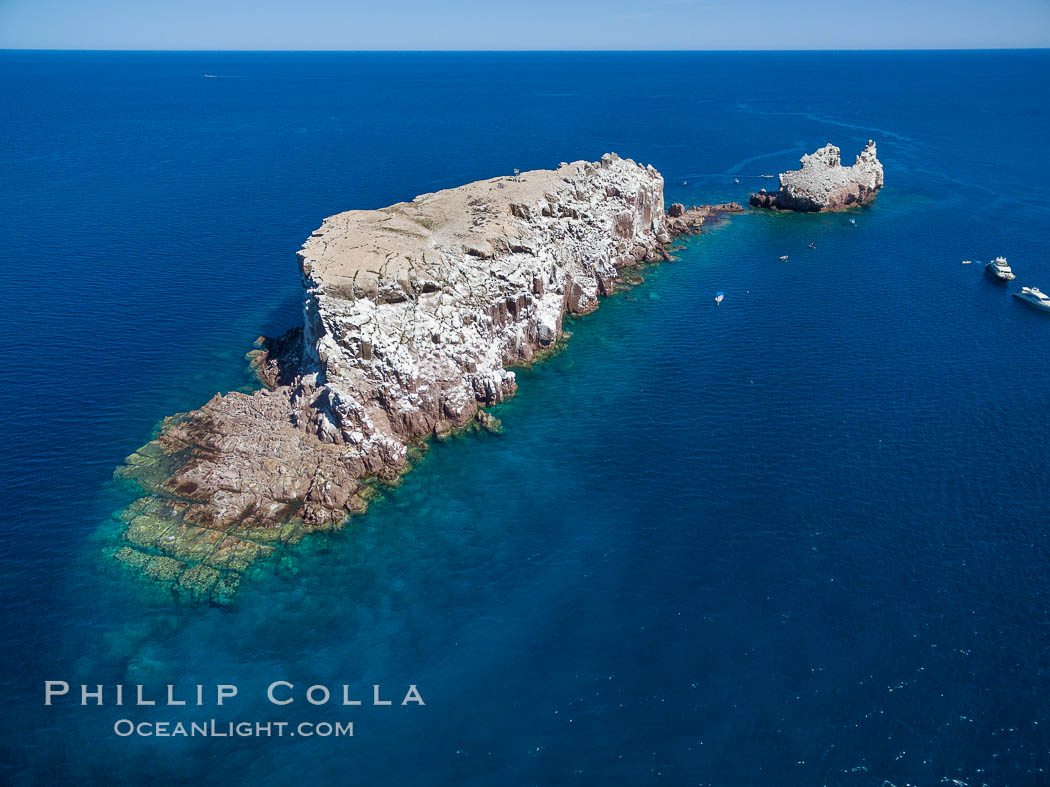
523	24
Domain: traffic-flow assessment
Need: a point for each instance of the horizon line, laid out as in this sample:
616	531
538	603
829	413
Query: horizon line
529	51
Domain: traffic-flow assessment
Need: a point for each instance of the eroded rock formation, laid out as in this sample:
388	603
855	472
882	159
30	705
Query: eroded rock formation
689	221
412	316
823	184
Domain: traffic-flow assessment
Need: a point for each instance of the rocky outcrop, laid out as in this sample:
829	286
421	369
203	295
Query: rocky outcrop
278	361
412	316
683	221
823	184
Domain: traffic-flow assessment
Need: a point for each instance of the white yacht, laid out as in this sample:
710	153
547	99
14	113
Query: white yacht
719	296
1034	296
784	258
1000	269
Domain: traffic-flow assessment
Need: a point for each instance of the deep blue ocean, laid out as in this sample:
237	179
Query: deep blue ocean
800	538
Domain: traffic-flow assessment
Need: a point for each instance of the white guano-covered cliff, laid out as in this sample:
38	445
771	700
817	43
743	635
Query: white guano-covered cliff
413	312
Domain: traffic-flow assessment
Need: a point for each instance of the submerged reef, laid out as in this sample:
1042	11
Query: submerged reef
823	184
414	315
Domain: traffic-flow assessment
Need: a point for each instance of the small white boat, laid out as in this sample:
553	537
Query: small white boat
767	176
719	296
1034	296
853	221
1000	269
784	258
736	180
813	245
967	262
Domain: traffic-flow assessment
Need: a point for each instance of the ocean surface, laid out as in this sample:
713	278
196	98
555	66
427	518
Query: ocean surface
798	538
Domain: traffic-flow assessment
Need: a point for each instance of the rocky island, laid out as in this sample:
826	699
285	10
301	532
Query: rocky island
823	184
413	315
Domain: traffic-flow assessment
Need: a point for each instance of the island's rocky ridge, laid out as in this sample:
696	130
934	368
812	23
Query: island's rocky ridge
823	184
413	314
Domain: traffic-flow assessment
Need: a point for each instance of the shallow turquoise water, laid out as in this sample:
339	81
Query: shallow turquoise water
796	538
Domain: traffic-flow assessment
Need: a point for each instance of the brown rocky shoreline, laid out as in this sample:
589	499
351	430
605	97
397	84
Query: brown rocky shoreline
414	316
690	221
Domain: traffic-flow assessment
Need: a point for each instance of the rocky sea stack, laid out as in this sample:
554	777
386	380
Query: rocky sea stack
823	184
413	315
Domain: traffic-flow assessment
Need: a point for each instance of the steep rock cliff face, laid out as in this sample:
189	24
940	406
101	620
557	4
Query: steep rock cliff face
414	311
412	314
823	184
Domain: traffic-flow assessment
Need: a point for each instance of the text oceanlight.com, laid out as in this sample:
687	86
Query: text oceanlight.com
233	729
